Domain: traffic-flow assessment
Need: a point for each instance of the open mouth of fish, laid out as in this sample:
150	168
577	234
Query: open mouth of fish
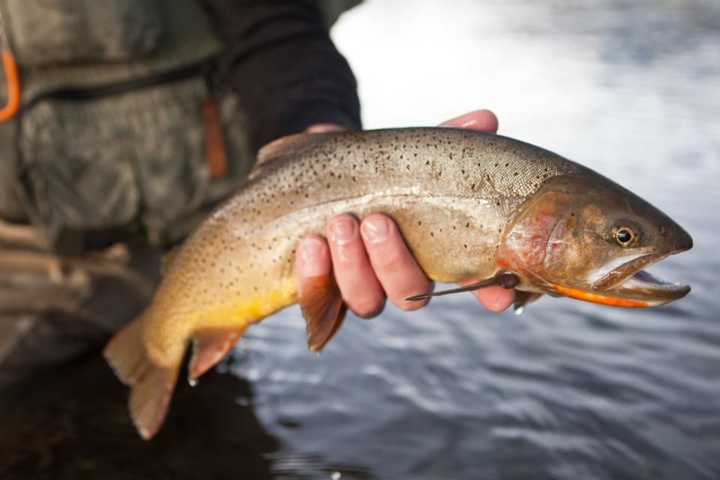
628	285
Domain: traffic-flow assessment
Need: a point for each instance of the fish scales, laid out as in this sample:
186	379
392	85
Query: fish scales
429	180
469	205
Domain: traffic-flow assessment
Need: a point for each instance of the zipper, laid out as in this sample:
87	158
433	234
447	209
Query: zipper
117	88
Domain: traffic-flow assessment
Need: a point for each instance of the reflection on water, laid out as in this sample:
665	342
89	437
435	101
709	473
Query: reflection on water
74	424
568	390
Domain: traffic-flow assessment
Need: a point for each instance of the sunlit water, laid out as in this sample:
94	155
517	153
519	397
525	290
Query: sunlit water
567	390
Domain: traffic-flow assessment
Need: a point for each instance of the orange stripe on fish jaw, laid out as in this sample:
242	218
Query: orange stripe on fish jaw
601	299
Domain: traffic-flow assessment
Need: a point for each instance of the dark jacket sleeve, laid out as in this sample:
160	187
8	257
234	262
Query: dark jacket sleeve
283	65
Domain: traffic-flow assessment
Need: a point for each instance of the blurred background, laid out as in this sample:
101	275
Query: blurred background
630	88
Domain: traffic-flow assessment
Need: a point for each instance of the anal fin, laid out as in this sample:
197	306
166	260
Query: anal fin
323	308
209	348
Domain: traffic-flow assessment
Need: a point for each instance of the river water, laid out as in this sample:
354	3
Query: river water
567	390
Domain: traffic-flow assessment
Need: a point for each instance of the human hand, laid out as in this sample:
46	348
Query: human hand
370	259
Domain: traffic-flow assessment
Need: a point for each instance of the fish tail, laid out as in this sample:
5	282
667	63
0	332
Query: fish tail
151	385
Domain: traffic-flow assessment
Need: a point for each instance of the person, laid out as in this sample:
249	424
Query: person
133	127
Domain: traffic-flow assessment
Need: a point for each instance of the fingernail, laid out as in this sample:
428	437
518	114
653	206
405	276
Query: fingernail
324	128
376	229
342	230
310	252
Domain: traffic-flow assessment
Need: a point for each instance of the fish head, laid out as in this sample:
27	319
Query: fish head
585	237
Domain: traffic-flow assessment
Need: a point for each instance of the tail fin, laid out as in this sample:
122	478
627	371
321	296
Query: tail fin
151	386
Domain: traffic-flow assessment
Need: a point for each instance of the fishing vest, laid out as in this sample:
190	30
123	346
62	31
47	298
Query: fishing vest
119	130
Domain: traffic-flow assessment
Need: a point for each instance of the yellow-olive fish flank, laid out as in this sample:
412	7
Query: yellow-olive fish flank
471	206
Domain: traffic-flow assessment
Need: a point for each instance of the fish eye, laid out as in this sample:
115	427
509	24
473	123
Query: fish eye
625	236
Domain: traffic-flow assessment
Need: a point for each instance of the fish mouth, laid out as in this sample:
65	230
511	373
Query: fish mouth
630	286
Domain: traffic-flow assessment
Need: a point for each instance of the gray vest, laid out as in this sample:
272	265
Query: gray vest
116	131
114	128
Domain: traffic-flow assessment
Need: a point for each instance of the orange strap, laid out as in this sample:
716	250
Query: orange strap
215	152
12	78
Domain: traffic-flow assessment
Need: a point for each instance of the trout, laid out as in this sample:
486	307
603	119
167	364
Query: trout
470	205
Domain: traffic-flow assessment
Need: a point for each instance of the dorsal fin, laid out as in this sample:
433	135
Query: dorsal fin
284	146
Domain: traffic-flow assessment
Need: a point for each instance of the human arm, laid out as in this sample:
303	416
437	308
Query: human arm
284	67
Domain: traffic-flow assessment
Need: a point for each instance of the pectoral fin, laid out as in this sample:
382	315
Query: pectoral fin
323	308
208	349
503	279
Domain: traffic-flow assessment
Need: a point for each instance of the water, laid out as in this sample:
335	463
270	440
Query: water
567	390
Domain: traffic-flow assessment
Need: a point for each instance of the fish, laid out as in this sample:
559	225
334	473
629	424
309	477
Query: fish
471	206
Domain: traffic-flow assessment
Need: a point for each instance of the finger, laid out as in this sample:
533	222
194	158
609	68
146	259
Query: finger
483	120
394	265
357	281
324	128
495	298
311	260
